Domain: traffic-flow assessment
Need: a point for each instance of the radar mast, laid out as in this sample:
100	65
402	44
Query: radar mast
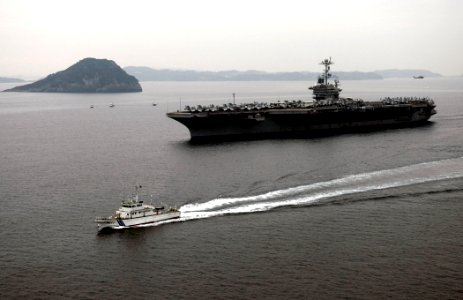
326	73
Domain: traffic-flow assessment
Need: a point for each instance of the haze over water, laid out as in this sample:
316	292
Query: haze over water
370	215
43	37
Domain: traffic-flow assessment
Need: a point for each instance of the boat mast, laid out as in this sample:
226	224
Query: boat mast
137	186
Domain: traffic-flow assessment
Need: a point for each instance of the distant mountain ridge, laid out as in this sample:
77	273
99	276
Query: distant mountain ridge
9	80
90	75
149	74
408	73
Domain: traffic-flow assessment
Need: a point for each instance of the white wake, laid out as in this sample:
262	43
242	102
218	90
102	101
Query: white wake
308	194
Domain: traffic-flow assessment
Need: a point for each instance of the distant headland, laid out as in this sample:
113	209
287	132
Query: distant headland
10	80
90	75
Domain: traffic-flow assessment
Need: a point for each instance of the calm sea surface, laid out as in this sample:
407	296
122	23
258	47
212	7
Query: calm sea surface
362	216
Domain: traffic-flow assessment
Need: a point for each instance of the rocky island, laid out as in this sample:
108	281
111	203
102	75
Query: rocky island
90	75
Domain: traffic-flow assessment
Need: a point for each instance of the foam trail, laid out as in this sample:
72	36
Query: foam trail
264	206
308	194
422	172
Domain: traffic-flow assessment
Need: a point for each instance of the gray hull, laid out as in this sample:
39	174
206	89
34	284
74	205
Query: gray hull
276	123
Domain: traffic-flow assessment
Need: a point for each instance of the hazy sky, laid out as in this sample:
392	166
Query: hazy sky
39	37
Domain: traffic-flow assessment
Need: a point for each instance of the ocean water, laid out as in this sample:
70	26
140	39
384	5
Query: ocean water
363	216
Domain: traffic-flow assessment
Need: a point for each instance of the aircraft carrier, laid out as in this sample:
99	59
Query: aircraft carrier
327	114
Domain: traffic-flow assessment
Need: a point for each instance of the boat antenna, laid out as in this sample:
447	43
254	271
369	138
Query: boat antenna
137	186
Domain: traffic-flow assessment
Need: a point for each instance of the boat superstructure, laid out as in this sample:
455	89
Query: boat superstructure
133	212
328	113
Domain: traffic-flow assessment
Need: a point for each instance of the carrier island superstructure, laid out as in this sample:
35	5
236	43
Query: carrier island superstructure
328	113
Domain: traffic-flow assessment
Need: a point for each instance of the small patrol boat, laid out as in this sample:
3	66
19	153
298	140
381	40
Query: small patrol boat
133	212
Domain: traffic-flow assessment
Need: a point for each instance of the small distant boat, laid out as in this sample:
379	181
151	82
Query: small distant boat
154	104
91	106
418	77
111	105
133	212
